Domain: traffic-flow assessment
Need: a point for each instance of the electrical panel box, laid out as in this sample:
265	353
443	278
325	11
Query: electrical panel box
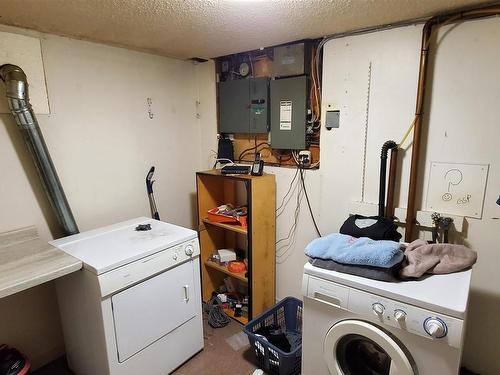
289	113
243	105
292	59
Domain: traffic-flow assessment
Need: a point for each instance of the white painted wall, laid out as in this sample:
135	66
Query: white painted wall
102	143
97	98
463	123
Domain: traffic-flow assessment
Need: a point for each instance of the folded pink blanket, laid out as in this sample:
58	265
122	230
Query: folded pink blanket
421	257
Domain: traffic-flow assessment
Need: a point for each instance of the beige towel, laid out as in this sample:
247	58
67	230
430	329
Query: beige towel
421	257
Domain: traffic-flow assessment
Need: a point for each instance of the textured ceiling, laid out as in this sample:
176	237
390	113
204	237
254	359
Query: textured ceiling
210	28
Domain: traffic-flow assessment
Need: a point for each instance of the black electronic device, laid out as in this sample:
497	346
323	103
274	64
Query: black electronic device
235	169
257	166
225	150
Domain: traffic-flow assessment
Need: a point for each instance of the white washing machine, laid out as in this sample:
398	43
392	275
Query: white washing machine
135	308
353	325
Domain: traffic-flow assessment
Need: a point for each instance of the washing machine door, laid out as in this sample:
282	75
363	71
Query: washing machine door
355	347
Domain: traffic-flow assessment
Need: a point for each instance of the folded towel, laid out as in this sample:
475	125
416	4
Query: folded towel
355	251
374	273
438	258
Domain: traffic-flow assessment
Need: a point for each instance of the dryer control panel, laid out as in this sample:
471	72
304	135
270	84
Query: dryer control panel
141	269
383	310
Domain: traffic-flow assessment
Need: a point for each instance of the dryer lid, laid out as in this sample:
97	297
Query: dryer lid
358	347
109	247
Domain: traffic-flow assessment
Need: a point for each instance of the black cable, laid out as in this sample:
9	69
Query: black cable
291	232
289	190
251	149
217	318
307	199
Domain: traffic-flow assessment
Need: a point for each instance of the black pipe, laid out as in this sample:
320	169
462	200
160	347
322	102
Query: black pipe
383	167
20	107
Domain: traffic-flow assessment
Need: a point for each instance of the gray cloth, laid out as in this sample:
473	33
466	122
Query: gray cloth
370	272
441	258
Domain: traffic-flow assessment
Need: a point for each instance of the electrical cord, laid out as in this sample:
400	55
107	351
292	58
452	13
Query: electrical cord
283	252
288	192
217	318
251	149
228	161
307	199
291	232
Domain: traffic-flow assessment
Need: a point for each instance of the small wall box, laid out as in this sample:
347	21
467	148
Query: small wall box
292	59
258	238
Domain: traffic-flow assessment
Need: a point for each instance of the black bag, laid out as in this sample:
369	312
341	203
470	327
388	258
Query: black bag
382	228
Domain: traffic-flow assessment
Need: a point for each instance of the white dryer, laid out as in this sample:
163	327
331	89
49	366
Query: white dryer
135	308
357	326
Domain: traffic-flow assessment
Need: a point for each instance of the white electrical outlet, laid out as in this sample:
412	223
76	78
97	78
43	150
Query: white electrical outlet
305	158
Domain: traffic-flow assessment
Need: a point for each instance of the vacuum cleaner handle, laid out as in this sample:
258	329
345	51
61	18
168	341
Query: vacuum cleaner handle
149	180
149	188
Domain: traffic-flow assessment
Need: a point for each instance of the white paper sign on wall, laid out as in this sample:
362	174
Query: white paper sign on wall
457	188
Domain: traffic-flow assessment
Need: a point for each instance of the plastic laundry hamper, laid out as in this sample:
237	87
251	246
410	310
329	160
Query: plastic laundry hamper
288	315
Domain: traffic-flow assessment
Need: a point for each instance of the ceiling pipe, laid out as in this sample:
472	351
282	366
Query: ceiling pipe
431	25
20	107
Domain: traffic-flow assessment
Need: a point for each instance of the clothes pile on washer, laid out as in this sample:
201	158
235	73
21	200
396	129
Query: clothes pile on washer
386	260
378	260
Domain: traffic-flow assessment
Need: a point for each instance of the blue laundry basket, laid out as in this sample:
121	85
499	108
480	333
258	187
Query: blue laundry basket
288	315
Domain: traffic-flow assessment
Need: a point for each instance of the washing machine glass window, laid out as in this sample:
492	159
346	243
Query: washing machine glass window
356	347
358	355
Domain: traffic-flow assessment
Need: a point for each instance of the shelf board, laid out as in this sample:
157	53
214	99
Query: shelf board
240	319
218	267
232	227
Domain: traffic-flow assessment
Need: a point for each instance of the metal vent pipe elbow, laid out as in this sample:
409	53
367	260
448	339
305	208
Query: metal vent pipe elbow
16	85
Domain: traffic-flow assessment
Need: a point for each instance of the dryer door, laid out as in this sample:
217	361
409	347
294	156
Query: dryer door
355	347
153	308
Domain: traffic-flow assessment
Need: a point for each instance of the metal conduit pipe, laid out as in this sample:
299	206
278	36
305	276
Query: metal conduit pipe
431	25
20	107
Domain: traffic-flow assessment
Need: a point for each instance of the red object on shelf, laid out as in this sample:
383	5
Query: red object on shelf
236	266
216	217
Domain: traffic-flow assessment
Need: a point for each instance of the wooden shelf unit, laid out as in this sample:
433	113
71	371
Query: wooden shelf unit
258	193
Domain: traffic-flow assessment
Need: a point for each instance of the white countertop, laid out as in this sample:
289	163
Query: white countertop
27	261
109	247
445	294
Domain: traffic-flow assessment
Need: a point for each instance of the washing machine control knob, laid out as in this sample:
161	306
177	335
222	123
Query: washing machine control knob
399	315
435	328
378	308
189	250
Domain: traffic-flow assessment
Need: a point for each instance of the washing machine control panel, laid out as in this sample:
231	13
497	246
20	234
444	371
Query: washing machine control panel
406	317
385	311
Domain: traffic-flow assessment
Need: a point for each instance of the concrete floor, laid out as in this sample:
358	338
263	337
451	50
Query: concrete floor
217	358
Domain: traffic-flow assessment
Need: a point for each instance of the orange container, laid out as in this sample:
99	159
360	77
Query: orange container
218	218
236	266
